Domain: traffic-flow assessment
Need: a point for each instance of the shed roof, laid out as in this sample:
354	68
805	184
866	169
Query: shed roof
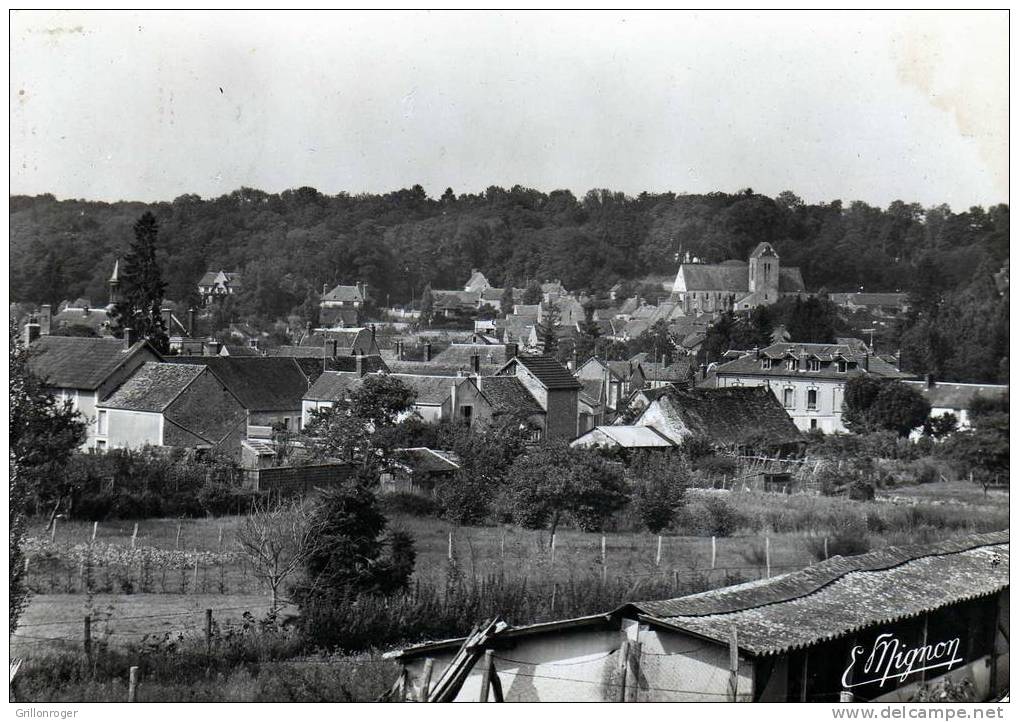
344	294
508	395
261	383
429	390
631	437
75	362
841	595
421	458
459	354
332	386
153	386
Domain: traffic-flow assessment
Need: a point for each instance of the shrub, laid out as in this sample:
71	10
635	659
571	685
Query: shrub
849	537
408	503
716	466
659	488
722	518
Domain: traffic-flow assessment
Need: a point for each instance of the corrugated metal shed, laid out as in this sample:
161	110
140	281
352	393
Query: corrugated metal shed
837	597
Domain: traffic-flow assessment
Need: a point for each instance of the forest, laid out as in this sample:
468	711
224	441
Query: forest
288	245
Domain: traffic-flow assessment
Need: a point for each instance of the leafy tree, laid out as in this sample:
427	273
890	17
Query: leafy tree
548	329
532	293
426	306
360	427
142	288
939	427
506	300
553	481
873	404
659	487
657	341
43	436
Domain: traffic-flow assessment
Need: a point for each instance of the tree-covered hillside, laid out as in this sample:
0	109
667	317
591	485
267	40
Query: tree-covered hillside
288	245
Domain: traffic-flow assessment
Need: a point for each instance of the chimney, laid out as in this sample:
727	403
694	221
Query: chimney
362	288
86	310
476	364
31	332
757	352
45	317
452	400
399	350
332	347
930	381
191	322
212	348
130	337
373	332
866	362
511	351
428	350
325	288
359	365
167	316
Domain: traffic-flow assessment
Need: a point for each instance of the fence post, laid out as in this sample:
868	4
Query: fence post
88	635
553	548
675	581
486	676
134	535
826	548
502	545
767	556
552	605
624	655
220	538
208	630
658	554
95	529
426	679
603	550
633	673
195	584
53	531
132	685
177	543
733	666
449	551
713	549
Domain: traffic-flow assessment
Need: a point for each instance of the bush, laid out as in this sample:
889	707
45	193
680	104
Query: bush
659	488
715	467
722	518
849	537
408	503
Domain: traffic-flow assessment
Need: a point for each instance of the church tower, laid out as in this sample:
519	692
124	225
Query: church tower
114	283
763	279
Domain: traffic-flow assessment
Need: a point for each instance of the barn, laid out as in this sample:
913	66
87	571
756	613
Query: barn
873	627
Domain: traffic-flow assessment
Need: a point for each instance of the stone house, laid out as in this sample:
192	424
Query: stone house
554	388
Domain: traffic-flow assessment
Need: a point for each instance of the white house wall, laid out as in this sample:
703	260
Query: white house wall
133	429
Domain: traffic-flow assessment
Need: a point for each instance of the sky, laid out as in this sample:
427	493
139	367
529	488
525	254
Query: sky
872	106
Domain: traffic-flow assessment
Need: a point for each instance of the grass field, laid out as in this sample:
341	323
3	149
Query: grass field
792	526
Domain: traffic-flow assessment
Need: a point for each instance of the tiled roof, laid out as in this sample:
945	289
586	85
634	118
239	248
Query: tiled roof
429	390
508	395
238	350
297	351
678	370
477	282
622	369
551	373
734	278
96	318
454	299
344	294
369	364
841	595
827	354
459	354
153	386
338	316
332	386
592	390
431	368
79	363
262	383
957	396
345	338
727	416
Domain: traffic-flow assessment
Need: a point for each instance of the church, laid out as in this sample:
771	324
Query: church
735	285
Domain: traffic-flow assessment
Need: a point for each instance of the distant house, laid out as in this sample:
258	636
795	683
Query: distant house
712	288
170	404
808	379
729	417
592	408
498	398
477	282
85	371
82	312
218	284
555	389
954	398
880	304
433	402
270	389
341	306
465	355
333	342
419	469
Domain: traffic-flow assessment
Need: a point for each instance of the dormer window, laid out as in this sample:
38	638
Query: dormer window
813	365
841	365
792	364
766	364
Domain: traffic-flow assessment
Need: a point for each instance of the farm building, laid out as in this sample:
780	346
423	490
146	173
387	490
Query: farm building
873	627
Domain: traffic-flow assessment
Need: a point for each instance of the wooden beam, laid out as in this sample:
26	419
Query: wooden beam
486	675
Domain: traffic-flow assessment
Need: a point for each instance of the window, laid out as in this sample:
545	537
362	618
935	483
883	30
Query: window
101	444
813	365
788	396
766	364
102	422
466	412
812	399
813	424
791	364
840	366
286	422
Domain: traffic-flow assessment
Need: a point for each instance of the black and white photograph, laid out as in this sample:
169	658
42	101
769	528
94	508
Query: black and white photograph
578	356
